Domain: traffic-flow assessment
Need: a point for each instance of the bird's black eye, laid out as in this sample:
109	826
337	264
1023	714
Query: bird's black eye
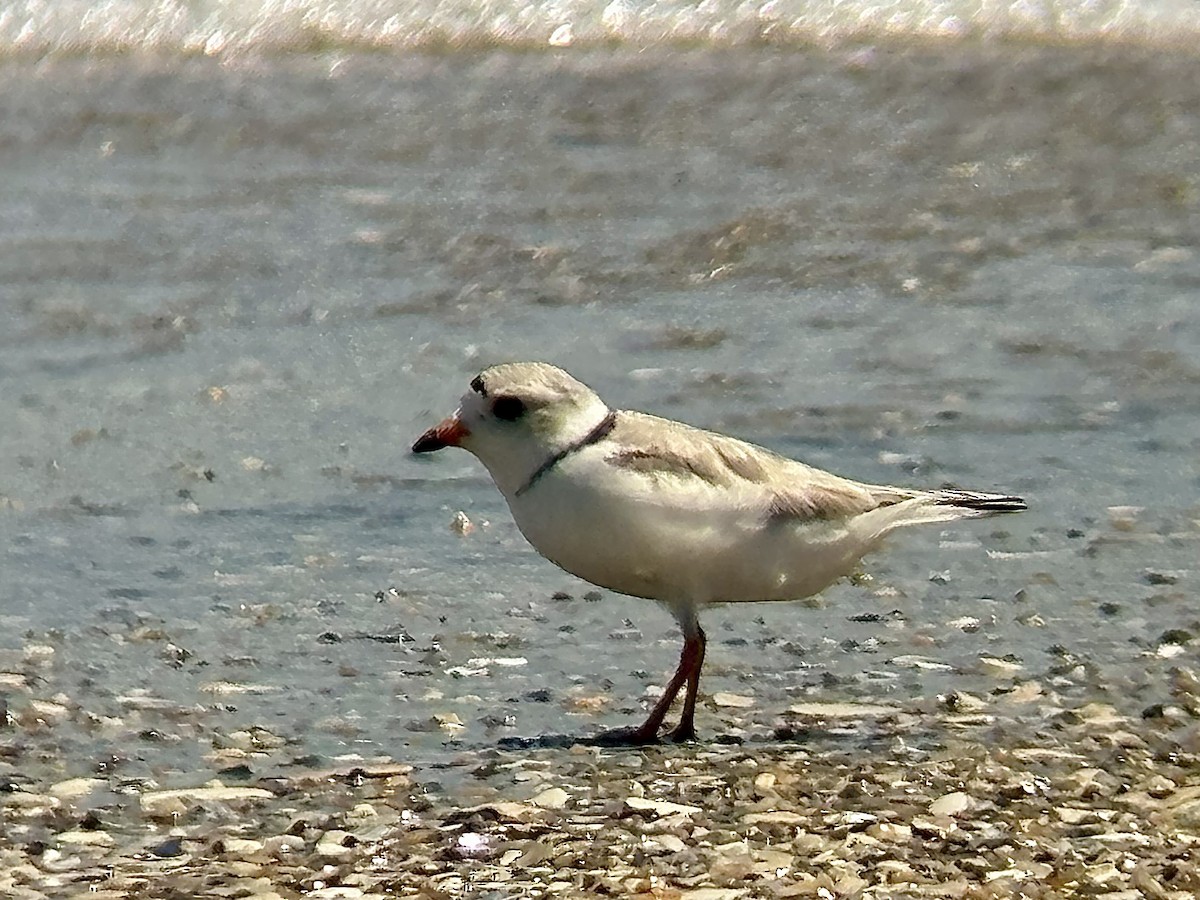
477	386
508	408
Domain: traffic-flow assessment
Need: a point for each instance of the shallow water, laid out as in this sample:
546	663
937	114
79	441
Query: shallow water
235	291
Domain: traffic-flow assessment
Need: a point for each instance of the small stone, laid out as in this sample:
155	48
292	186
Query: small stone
336	844
551	798
472	845
562	36
283	846
1158	786
1101	715
952	804
733	862
74	788
503	810
1160	578
775	817
962	702
449	722
912	661
587	704
670	843
1000	667
86	838
712	893
1025	692
241	848
155	803
1124	518
659	807
842	710
169	807
169	848
45	712
931	827
736	701
1073	816
894	832
231	687
39	653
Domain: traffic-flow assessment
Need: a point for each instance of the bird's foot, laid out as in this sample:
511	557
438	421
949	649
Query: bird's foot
625	737
682	733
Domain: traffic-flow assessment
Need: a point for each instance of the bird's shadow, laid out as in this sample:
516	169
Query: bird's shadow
620	738
624	739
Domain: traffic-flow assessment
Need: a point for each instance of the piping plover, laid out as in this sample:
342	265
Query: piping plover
658	509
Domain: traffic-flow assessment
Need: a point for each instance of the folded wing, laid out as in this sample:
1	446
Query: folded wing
689	466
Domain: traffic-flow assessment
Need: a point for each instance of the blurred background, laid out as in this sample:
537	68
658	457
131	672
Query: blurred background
249	251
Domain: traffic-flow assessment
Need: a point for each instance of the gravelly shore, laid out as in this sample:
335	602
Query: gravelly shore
1009	797
239	288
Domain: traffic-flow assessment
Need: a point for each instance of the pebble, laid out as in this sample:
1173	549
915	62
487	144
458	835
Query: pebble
1000	668
953	804
727	700
74	788
551	798
884	801
283	845
89	838
336	844
920	662
659	807
241	848
774	817
1124	518
154	803
842	710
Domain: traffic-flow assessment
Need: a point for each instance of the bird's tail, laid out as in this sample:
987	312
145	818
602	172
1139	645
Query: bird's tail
928	507
980	503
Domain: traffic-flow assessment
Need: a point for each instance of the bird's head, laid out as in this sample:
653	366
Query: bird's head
515	417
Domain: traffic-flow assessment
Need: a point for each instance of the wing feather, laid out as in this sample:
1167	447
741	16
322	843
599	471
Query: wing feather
676	459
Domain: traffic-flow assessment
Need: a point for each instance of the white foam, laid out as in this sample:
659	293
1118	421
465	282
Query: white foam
219	27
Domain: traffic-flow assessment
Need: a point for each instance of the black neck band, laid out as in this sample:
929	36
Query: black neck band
598	433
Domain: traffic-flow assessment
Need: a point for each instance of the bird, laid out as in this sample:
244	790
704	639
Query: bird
658	509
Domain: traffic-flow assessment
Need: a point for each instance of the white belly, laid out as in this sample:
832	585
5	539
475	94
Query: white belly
631	544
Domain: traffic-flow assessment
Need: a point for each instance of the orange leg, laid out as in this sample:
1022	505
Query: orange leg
688	673
693	660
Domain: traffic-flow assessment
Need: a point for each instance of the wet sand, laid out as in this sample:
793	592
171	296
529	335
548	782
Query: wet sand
234	291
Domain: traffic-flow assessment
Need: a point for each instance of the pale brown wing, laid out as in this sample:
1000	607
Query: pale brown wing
686	462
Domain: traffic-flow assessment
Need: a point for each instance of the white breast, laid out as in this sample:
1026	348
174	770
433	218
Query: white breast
611	528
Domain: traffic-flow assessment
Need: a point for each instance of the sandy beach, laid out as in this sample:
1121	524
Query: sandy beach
248	647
